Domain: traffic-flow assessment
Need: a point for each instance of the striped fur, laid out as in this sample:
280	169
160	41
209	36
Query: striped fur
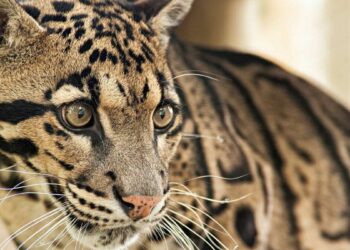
257	157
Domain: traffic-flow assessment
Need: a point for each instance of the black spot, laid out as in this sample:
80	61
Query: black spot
53	18
66	32
22	147
245	225
86	46
148	53
112	58
94	56
48	94
103	55
61	133
86	72
49	129
79	33
121	89
62	6
79	224
32	11
139	59
21	110
122	56
86	2
79	17
94	89
59	146
78	24
111	175
145	92
82	201
147	33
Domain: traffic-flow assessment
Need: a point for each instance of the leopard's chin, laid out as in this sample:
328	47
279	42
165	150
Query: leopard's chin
107	239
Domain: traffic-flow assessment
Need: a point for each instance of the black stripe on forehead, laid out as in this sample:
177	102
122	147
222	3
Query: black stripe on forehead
21	110
94	89
74	80
163	83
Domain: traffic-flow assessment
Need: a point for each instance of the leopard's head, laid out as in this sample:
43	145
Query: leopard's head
87	100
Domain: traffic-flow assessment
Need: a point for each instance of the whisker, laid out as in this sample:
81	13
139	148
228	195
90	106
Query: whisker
224	201
195	74
218	138
7	168
198	235
53	242
161	234
209	217
69	228
86	227
31	185
26	193
46	234
188	190
206	232
58	238
38	231
29	225
179	223
177	233
205	225
203	72
217	177
34	173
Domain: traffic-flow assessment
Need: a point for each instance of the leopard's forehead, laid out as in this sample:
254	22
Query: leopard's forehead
101	49
90	23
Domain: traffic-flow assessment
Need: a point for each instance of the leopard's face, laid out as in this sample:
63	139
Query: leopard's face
90	104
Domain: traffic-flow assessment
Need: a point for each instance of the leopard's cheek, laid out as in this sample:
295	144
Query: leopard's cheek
50	148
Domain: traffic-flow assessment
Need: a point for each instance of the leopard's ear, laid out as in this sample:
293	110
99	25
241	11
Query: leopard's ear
17	28
163	15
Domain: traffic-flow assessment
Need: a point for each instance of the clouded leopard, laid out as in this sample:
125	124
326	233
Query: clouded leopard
114	134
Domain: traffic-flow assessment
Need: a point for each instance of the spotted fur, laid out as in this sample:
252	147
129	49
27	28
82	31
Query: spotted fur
256	157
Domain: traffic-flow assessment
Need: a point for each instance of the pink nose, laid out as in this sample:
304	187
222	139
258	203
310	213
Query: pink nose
142	206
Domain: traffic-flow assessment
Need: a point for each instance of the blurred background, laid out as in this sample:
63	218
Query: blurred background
312	37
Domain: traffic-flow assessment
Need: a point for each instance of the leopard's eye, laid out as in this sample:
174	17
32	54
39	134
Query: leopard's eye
77	115
163	117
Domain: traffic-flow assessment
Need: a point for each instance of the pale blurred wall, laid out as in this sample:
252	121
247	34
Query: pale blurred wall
310	36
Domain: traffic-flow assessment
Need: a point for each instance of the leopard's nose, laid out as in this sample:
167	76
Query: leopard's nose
140	206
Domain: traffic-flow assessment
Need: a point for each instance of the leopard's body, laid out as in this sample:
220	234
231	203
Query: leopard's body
257	154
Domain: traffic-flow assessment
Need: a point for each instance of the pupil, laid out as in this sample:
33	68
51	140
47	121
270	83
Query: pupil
81	112
162	113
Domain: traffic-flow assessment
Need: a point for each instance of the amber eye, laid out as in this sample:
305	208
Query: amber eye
163	117
77	115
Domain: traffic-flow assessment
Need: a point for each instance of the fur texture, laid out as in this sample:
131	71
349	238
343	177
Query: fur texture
253	156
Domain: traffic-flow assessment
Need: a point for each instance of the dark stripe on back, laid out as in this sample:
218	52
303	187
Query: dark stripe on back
265	191
275	156
323	132
238	59
210	90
